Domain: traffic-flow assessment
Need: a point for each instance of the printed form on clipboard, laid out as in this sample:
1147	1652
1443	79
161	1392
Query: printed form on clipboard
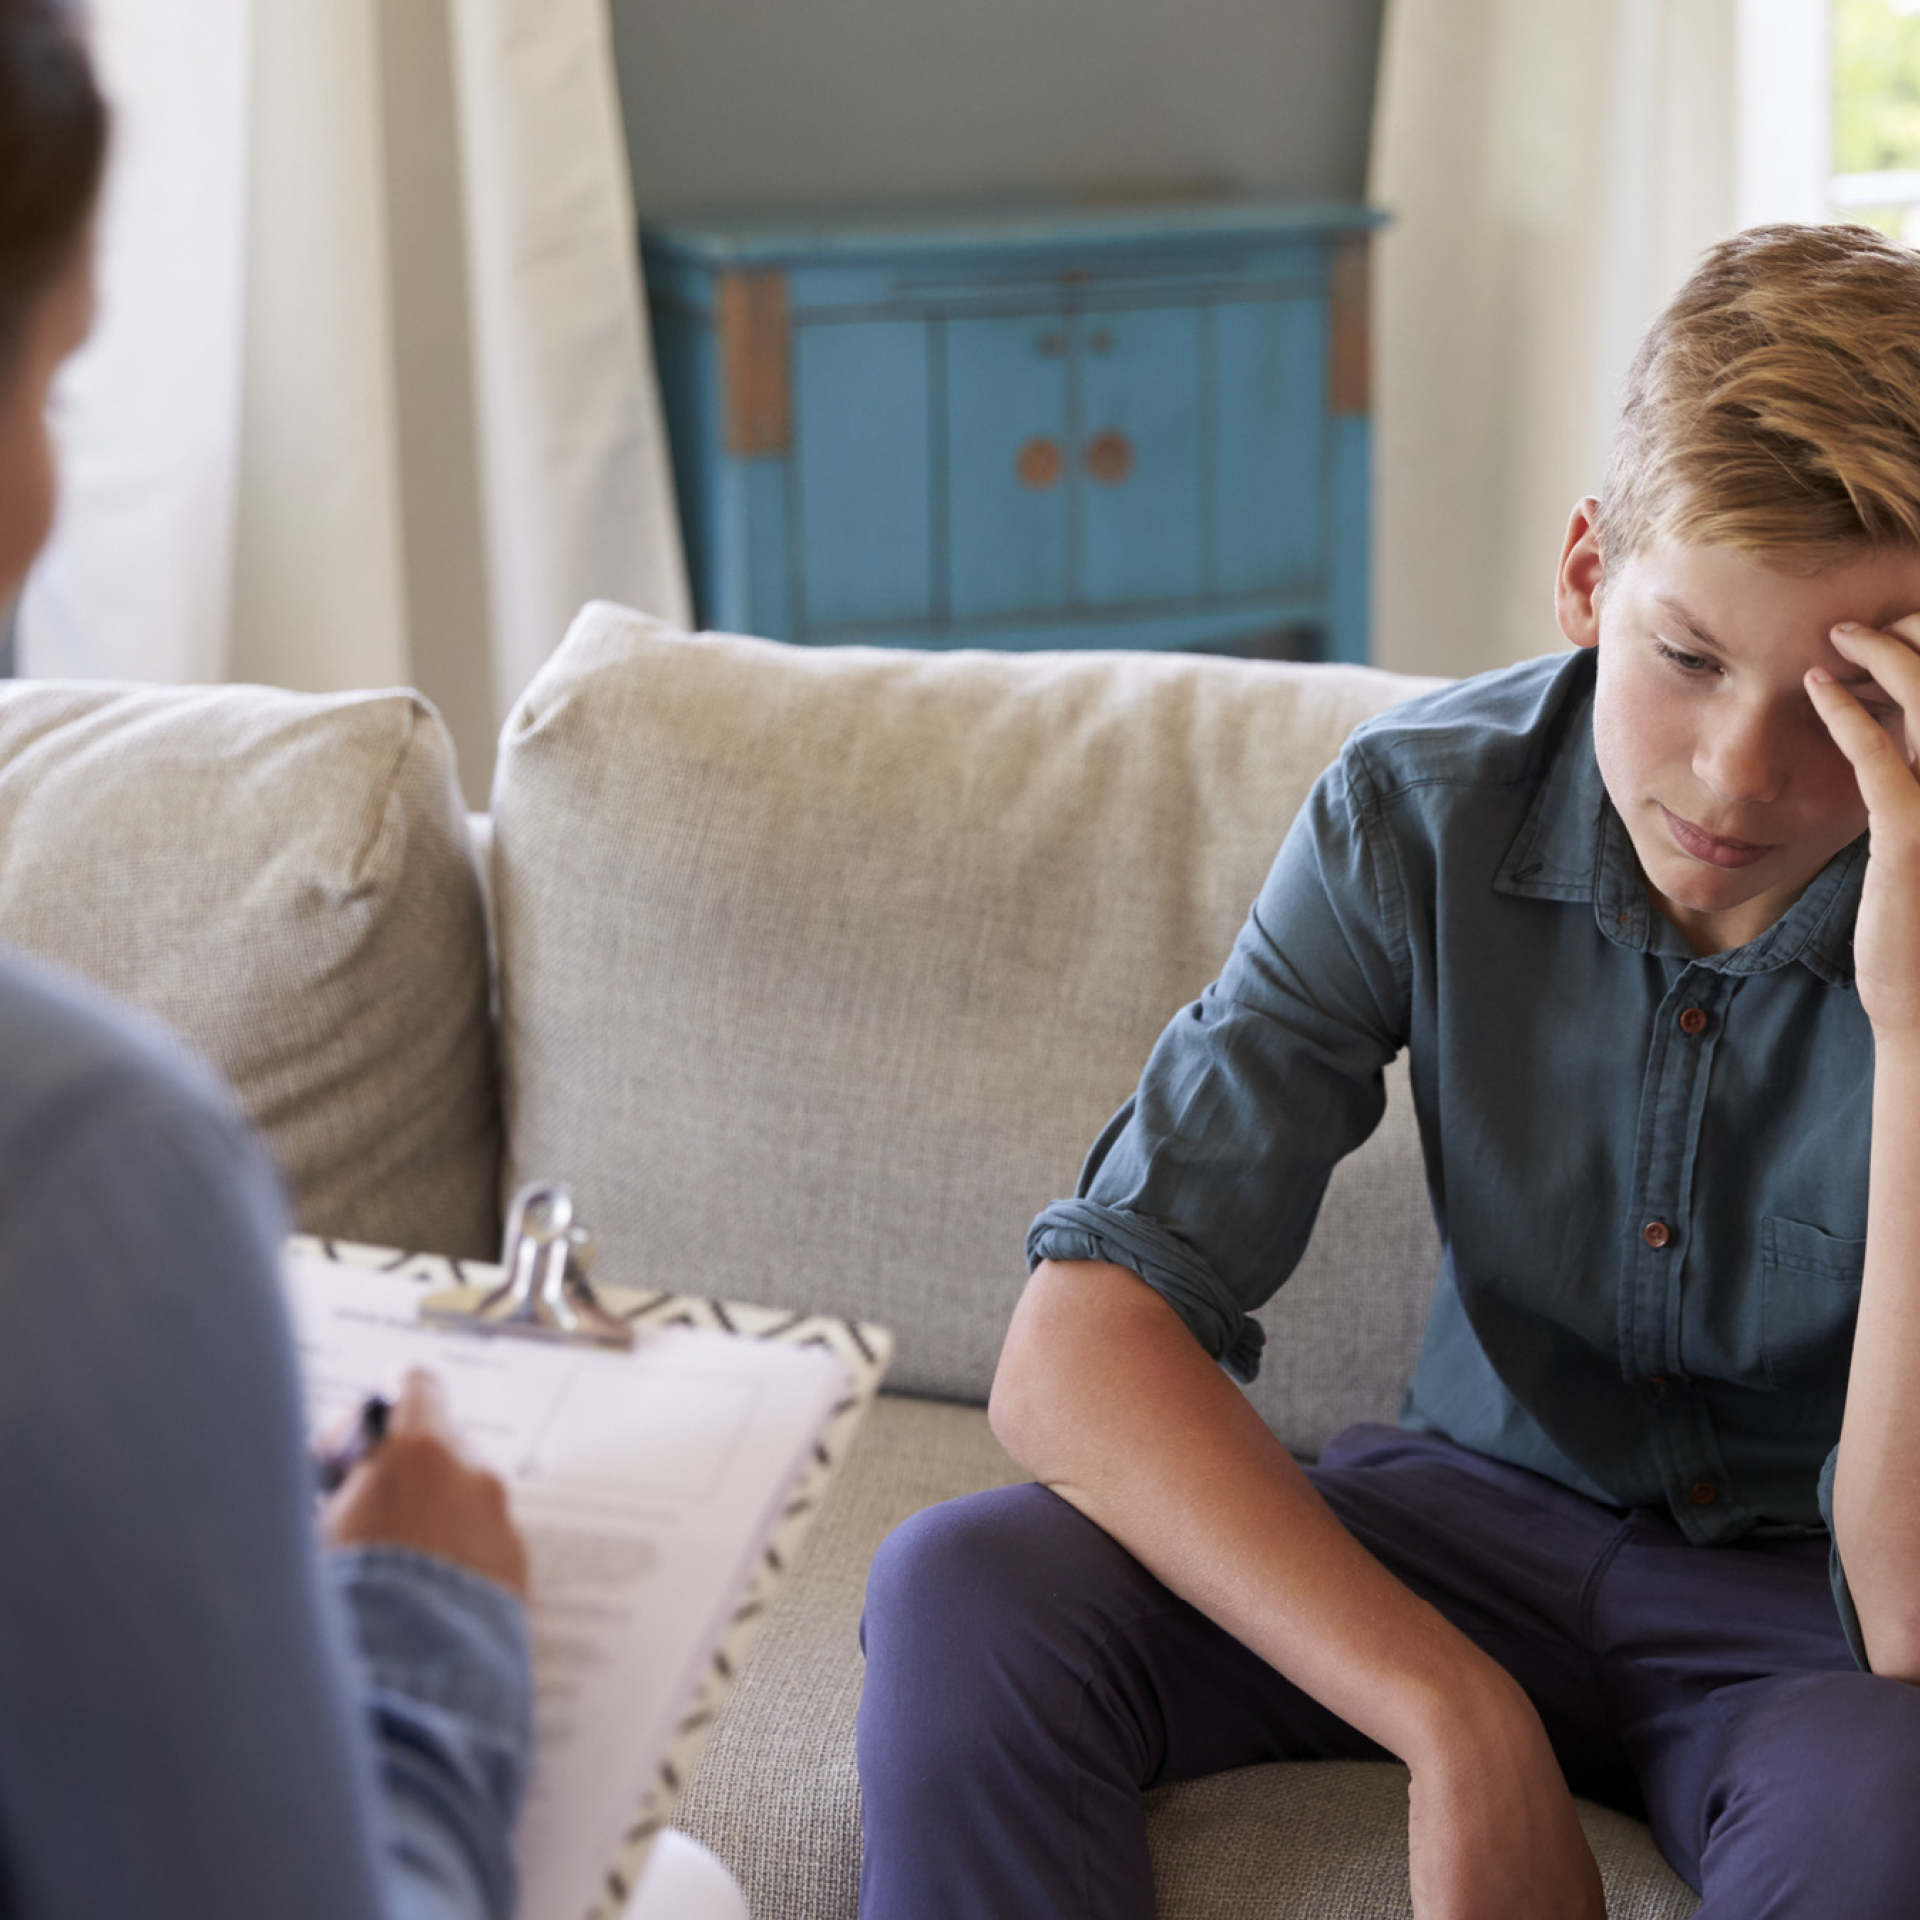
663	1456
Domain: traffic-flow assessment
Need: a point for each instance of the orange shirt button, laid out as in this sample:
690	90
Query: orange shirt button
1656	1233
1703	1493
1693	1020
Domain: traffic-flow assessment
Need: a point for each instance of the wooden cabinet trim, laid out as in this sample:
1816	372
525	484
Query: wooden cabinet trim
753	347
1349	346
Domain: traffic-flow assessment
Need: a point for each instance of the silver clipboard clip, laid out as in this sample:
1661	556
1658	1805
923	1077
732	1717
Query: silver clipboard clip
544	1293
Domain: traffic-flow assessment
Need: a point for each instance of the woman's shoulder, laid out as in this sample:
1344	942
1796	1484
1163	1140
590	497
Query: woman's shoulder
126	1172
73	1062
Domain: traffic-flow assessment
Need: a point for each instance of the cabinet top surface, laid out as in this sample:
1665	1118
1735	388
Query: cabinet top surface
844	233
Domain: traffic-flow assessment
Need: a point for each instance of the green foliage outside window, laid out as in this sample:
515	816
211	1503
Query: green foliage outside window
1876	95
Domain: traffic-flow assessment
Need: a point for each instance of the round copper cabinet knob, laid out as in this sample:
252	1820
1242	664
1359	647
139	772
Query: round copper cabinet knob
1038	463
1110	457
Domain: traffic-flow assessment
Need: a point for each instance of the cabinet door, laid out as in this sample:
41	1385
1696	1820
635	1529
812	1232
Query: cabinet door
863	462
1270	381
1140	455
1007	454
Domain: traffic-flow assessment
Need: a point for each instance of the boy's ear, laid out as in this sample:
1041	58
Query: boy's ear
1576	589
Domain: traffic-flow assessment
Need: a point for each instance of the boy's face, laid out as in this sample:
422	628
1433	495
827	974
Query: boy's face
1727	782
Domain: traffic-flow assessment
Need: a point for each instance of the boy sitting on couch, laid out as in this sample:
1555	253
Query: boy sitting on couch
1663	1012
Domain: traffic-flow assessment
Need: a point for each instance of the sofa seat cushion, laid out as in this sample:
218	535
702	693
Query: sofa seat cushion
777	1798
1327	1840
822	967
286	880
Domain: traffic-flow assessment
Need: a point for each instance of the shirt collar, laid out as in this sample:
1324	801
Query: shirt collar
1573	847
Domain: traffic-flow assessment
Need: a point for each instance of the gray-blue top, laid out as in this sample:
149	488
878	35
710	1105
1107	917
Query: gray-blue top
191	1721
1649	1169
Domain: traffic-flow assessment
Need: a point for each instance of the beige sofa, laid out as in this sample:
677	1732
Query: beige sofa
814	972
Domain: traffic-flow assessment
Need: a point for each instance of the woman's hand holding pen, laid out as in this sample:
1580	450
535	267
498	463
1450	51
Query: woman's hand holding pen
414	1488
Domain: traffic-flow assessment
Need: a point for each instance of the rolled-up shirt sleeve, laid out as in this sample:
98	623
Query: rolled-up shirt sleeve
1208	1181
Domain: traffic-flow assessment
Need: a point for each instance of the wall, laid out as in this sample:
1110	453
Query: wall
766	102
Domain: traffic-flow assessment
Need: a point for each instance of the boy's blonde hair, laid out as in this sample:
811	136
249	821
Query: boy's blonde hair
1774	407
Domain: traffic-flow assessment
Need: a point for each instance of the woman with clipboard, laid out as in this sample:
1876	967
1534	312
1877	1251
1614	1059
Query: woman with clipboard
186	1684
181	1719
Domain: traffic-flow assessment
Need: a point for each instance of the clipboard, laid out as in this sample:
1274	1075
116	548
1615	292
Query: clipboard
540	1293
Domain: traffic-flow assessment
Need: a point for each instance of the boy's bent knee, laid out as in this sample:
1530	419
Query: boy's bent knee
988	1620
977	1570
980	1615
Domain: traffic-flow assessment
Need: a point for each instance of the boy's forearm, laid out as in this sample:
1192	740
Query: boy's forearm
1876	1493
1105	1397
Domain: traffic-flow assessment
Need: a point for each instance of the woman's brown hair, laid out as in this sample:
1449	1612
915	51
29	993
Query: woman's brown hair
53	144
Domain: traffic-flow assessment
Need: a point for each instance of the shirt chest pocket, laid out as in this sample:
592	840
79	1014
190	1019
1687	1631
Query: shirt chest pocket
1809	1295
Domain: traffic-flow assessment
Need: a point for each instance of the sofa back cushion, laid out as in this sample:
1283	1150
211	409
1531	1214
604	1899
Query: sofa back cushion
820	969
285	880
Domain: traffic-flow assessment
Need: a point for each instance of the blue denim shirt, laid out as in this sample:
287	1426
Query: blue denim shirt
199	1715
1648	1168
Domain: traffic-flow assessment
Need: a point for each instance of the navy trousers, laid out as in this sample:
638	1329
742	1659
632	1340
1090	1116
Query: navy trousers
1027	1679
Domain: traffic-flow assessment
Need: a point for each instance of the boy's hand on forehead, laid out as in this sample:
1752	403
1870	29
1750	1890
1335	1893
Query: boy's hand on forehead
1883	754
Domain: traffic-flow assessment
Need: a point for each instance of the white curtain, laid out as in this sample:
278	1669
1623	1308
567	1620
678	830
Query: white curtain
370	399
1552	168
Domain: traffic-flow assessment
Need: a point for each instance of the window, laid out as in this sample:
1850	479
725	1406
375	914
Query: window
1876	114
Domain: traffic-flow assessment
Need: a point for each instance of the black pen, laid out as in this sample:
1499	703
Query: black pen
333	1466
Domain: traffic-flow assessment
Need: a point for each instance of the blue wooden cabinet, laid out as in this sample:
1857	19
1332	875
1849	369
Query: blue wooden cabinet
1026	427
